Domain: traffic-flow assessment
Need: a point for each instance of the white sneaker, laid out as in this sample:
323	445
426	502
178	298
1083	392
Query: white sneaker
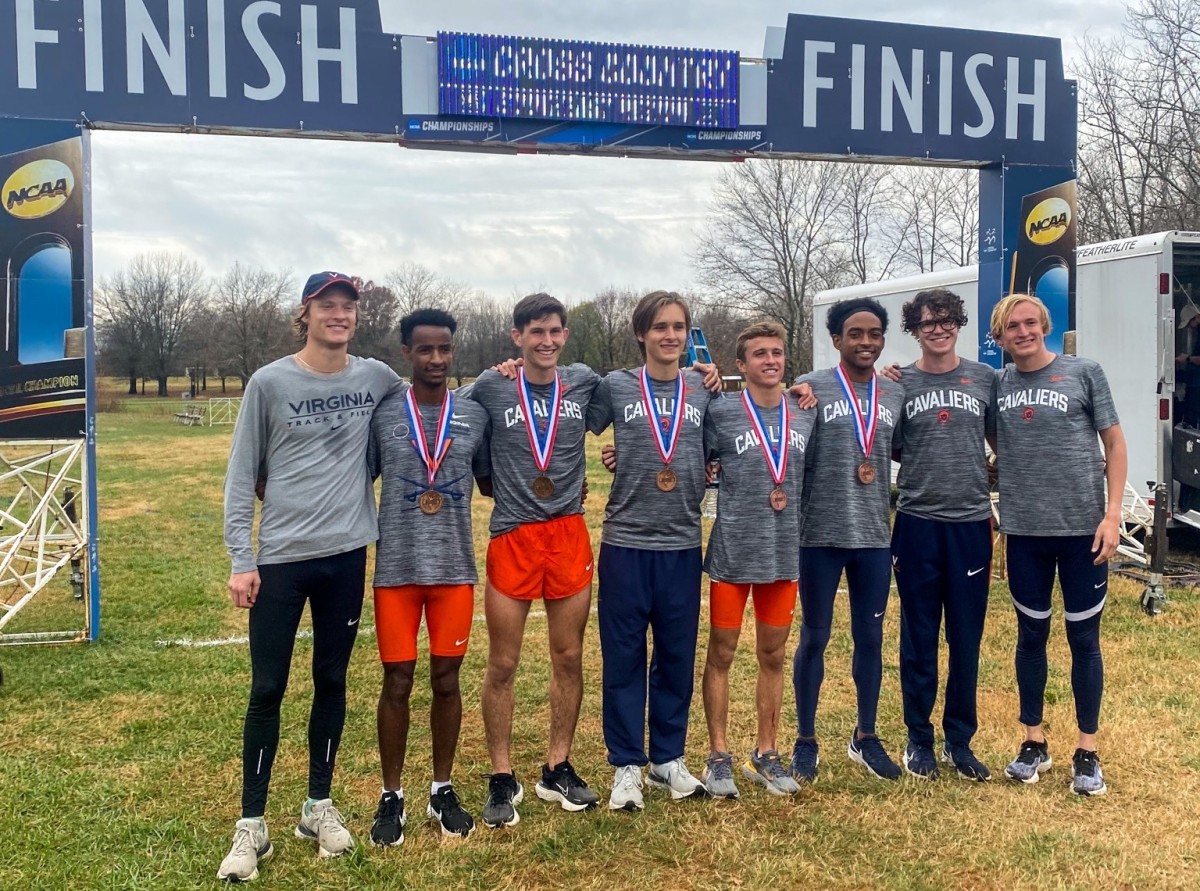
674	776
251	846
626	789
324	825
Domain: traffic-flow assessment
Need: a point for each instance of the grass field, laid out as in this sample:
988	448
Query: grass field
120	768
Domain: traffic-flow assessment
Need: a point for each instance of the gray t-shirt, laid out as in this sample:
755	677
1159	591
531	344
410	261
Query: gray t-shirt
751	542
1051	466
308	433
839	511
638	513
943	465
513	467
416	548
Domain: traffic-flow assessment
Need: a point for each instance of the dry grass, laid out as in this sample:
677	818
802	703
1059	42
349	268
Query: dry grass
121	759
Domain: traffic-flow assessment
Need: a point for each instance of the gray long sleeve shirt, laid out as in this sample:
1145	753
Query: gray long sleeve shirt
307	433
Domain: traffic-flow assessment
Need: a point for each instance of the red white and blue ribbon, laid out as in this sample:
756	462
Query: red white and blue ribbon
541	441
666	440
864	427
441	443
777	455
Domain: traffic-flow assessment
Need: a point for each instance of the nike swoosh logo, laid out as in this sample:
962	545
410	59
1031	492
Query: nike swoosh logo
880	613
587	568
352	622
971	572
1101	585
459	643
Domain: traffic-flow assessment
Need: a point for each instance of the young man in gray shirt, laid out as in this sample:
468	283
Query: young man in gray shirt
540	548
429	447
845	528
303	427
753	551
942	535
1063	464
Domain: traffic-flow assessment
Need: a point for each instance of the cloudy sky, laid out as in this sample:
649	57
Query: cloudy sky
505	224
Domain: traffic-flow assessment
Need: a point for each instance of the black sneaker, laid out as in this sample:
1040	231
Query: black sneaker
966	765
504	794
806	758
562	784
919	761
388	828
870	753
448	811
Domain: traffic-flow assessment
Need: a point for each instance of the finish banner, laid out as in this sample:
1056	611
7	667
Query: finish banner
1044	259
43	318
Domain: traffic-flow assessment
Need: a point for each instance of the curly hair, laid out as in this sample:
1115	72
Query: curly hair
942	304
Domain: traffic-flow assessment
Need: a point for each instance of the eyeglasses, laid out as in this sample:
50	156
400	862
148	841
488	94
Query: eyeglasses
946	324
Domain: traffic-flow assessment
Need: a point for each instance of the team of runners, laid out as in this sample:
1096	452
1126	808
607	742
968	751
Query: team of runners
805	500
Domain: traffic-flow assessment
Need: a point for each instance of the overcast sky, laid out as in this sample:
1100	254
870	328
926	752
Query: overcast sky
505	224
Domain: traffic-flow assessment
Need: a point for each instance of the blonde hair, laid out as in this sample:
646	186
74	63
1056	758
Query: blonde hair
1006	307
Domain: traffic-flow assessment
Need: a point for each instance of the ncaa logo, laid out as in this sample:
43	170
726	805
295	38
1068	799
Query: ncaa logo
38	189
1048	222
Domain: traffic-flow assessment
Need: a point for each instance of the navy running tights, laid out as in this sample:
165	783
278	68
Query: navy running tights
1032	561
333	588
868	577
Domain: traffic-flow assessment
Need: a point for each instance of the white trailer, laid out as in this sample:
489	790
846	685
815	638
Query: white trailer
1129	295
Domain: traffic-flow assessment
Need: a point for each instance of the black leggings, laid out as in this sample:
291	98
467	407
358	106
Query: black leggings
333	586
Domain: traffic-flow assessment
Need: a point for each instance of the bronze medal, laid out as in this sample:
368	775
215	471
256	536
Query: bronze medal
430	501
866	473
666	480
543	487
779	499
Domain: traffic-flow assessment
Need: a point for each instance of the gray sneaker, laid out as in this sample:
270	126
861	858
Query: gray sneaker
1031	762
626	789
767	770
1087	777
324	825
251	846
676	779
718	776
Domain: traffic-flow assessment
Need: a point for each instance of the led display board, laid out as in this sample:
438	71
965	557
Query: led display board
573	80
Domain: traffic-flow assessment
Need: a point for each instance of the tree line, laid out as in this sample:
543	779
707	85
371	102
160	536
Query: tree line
776	233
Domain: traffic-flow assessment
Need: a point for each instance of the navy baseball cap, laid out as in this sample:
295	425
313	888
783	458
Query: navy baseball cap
322	280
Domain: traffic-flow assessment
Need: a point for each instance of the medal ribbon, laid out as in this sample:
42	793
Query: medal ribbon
777	458
667	441
442	440
541	444
864	428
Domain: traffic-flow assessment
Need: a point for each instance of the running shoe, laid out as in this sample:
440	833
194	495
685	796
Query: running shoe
870	753
445	807
768	770
919	761
626	789
1087	778
966	765
806	758
563	784
251	846
323	824
387	830
504	794
676	779
1031	762
718	776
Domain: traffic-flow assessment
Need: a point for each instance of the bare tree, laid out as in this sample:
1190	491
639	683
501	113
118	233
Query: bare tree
156	299
1139	157
483	336
773	241
934	218
252	319
416	286
378	313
